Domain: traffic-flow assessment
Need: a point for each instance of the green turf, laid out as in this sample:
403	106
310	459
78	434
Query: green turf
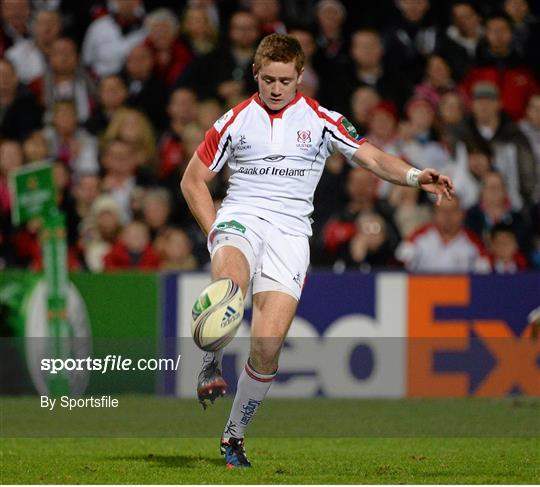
296	460
141	416
469	452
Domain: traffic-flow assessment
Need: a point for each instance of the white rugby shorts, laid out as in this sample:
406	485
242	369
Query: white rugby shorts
277	261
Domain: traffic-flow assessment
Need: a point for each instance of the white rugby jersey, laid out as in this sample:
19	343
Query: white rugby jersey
276	159
426	251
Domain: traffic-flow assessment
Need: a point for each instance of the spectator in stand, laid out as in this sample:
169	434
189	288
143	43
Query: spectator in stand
120	179
11	158
192	136
14	20
208	112
177	251
310	79
112	95
365	68
363	101
25	243
494	207
419	140
300	13
198	31
132	250
230	64
67	143
267	13
145	91
215	13
498	62
458	43
19	112
497	48
370	248
76	16
362	193
331	39
85	191
444	246
110	38
29	56
171	55
156	210
504	253
66	203
438	80
133	127
491	130
64	80
409	213
35	147
383	134
411	40
525	24
182	110
451	111
530	126
99	231
468	168
382	127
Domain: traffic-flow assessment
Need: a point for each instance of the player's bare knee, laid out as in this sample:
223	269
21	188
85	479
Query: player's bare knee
264	354
230	262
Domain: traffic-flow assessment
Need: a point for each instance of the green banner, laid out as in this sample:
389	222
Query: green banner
121	309
32	192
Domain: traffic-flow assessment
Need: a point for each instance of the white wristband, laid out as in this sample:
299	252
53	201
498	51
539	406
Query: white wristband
412	177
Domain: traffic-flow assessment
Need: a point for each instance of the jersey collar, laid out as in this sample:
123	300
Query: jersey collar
273	114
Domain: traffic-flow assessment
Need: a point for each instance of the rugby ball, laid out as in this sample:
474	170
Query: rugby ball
217	314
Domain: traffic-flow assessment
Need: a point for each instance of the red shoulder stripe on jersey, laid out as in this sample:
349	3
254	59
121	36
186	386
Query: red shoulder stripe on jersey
315	105
476	241
208	147
419	232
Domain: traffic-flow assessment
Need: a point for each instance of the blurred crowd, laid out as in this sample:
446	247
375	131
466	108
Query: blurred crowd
118	94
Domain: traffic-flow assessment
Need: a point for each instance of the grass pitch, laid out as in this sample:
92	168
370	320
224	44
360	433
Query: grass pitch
367	454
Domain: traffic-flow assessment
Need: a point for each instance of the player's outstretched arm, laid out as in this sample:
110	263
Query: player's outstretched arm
397	171
194	187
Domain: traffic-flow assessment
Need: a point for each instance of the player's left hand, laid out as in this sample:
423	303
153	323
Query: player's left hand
432	181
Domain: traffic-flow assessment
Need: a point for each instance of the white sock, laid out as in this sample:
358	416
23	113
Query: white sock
251	390
208	357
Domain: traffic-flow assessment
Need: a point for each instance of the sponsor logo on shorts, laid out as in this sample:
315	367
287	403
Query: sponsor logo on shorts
231	225
248	410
